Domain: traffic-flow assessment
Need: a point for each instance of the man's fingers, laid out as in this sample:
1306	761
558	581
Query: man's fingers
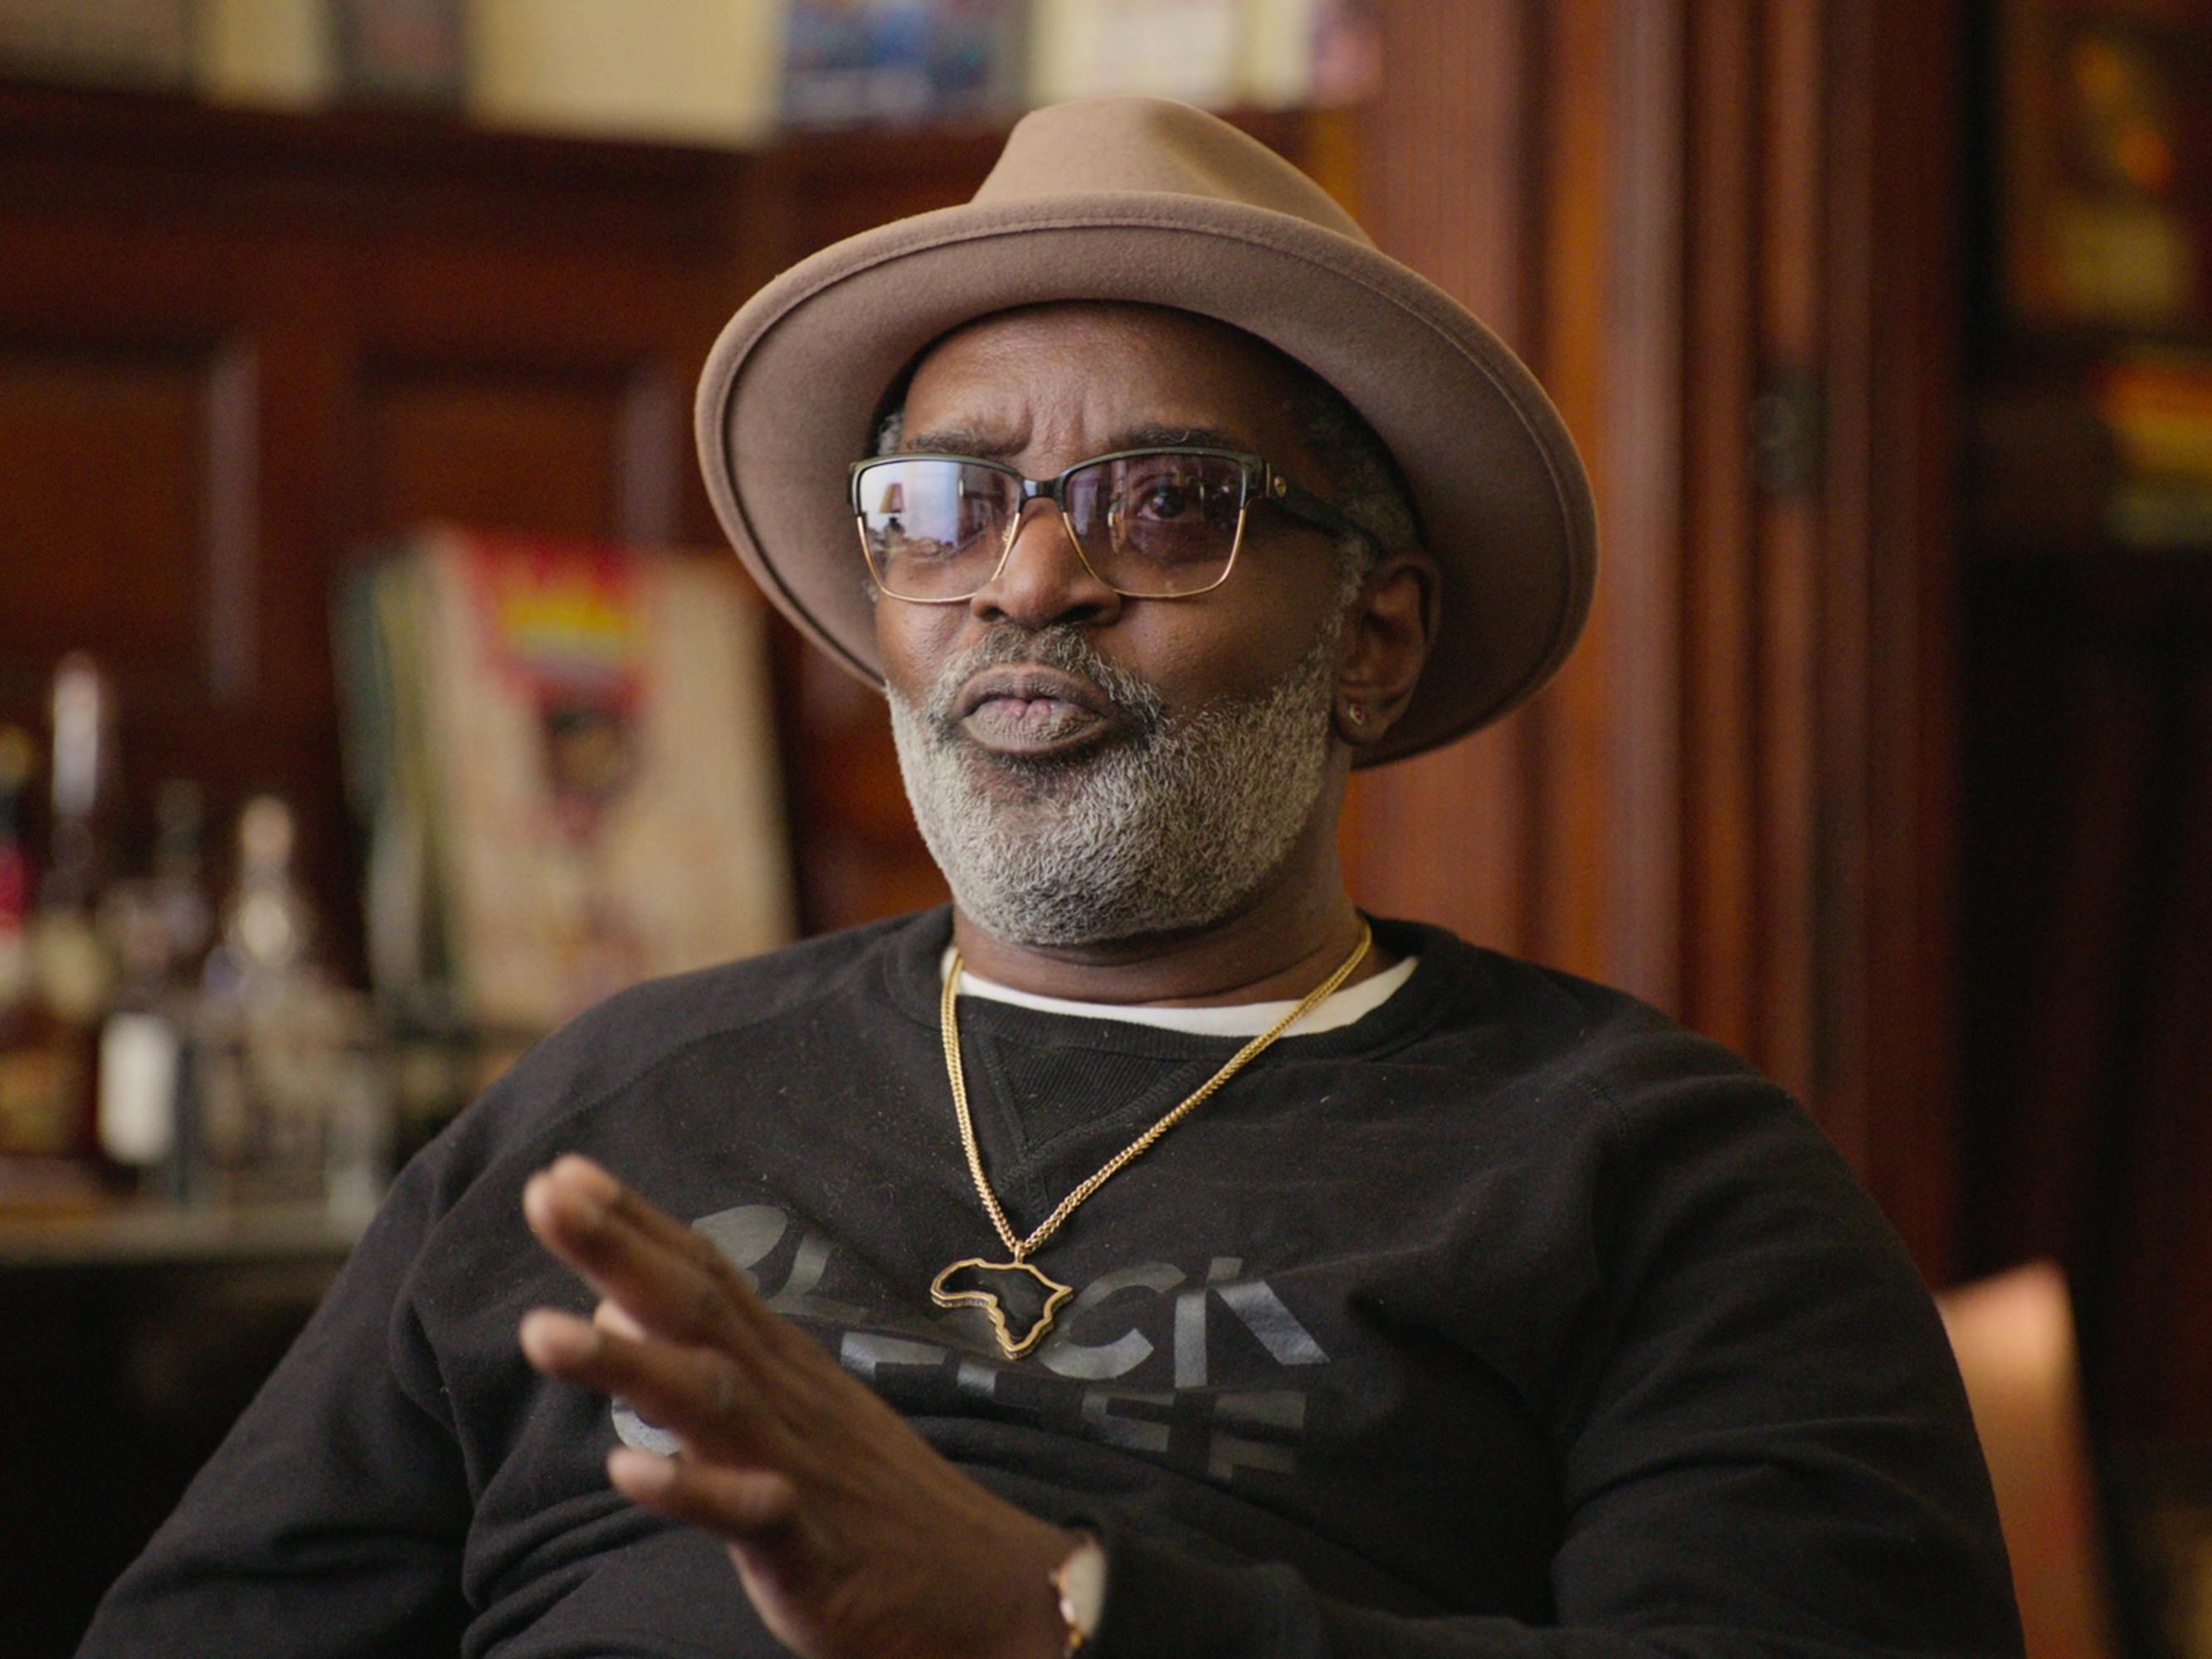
671	1281
613	1316
744	1505
558	1344
696	1394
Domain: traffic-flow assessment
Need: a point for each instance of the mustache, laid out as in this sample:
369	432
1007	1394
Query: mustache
1134	700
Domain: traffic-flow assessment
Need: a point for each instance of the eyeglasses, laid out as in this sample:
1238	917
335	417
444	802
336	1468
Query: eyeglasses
1150	524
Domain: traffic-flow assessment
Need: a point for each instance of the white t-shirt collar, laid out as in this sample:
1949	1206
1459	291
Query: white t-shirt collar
1239	1020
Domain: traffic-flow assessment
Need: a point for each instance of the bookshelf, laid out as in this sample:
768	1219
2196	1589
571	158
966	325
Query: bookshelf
237	346
2085	629
309	333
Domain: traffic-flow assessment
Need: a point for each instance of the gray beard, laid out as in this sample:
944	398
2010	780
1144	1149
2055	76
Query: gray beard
1170	826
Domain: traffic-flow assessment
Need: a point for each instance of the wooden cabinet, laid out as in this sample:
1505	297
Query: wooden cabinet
1725	234
1921	834
238	349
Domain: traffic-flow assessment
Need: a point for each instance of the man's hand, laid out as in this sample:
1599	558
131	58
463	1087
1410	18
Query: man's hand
851	1535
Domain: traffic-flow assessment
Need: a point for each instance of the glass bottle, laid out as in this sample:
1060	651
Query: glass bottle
291	1103
157	928
29	1122
177	889
53	1054
16	759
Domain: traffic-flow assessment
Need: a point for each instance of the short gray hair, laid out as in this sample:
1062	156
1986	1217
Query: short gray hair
1363	479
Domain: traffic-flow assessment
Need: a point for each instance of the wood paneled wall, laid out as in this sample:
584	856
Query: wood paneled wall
233	349
2089	1000
1724	232
237	350
1721	233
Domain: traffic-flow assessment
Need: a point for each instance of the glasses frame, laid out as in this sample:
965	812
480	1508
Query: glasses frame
1263	481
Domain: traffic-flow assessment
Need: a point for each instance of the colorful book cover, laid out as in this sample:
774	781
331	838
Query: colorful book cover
402	52
2159	406
1267	54
1193	50
2106	166
581	774
850	61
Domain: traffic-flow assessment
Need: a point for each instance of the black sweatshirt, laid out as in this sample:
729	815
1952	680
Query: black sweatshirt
1510	1319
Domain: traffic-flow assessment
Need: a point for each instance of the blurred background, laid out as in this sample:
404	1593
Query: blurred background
374	690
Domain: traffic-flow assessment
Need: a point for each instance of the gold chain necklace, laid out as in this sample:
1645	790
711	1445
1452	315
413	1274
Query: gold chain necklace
1038	1296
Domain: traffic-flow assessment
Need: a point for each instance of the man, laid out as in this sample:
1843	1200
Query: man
1146	1257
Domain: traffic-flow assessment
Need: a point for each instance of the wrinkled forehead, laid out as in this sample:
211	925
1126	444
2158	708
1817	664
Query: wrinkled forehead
1077	379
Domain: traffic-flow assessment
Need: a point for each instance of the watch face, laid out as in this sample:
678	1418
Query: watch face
1081	1581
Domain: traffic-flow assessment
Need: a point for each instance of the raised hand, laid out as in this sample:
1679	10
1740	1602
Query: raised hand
850	1535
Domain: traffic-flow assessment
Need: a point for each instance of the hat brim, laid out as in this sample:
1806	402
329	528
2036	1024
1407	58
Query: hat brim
791	387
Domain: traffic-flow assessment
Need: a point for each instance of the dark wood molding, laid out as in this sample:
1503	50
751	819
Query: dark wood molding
1700	222
1887	861
1449	163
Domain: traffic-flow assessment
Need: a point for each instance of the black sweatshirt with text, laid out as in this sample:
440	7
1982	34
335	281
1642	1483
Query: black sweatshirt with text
1511	1319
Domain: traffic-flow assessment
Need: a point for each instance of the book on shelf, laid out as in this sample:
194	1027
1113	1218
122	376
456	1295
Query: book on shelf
567	760
2159	406
1346	61
715	73
2160	514
1256	54
2103	164
275	53
850	61
145	44
2119	454
689	71
299	54
402	52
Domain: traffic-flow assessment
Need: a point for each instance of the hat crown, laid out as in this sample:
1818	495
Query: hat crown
1133	201
1153	145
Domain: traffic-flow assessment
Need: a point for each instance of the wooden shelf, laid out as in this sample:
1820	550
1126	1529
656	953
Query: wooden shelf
169	1235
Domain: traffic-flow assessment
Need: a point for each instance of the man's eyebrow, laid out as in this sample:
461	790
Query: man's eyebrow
967	441
1199	437
958	441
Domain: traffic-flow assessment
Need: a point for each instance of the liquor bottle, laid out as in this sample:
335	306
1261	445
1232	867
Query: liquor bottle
141	1047
291	1104
268	927
72	968
157	928
17	757
52	1045
27	1118
177	889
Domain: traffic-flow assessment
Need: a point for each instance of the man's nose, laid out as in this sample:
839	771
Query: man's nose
1043	578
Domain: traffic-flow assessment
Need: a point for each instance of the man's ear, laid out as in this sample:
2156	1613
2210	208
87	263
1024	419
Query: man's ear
1387	635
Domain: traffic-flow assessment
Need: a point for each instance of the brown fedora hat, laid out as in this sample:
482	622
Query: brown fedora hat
1145	200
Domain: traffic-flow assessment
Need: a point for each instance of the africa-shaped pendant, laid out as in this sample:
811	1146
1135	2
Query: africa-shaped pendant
1020	1300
